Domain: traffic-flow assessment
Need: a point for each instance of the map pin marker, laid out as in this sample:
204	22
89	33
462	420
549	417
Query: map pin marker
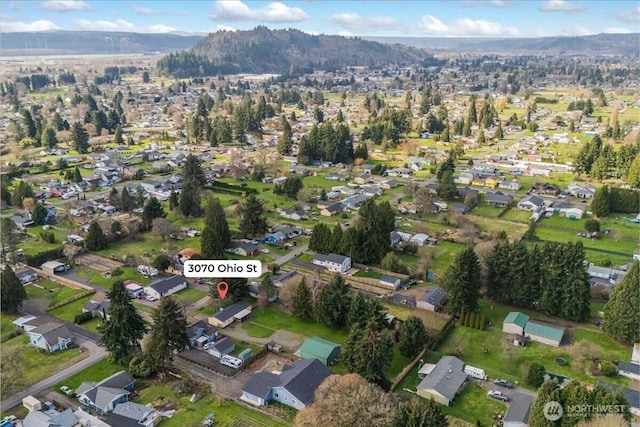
223	288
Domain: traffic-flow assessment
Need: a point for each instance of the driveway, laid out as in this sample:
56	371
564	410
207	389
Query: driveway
291	255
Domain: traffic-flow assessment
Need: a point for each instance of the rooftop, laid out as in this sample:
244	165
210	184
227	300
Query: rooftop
518	318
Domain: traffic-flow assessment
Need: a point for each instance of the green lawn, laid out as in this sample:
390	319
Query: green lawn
51	292
6	325
95	372
39	364
69	311
227	413
444	254
517	215
431	320
485	209
272	318
189	296
143	307
620	229
369	274
97	278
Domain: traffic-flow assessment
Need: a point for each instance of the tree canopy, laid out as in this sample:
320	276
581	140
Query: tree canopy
215	235
462	282
12	291
621	314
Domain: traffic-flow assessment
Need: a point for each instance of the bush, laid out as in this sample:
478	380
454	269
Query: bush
478	324
161	262
117	272
471	322
592	225
41	257
608	369
535	376
48	236
82	318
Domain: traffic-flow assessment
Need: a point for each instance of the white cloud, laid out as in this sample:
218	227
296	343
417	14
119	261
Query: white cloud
276	12
560	6
225	28
15	5
631	16
466	27
353	21
617	30
160	28
65	5
144	11
104	25
479	3
40	25
344	34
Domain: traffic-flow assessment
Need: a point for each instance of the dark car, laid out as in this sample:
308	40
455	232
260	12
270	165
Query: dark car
503	383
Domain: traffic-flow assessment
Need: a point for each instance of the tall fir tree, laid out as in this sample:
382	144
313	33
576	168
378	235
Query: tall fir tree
189	202
252	216
192	169
215	235
419	412
80	138
152	209
333	303
601	202
96	240
320	239
123	328
412	337
370	353
168	335
77	176
12	292
462	282
621	314
302	302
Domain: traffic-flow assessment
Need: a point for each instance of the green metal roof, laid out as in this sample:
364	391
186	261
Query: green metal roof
518	318
318	346
545	331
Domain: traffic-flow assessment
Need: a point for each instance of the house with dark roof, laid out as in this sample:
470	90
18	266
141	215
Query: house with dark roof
105	395
325	351
518	413
241	248
166	287
50	418
294	386
629	370
445	381
284	277
390	281
498	199
27	276
333	262
432	299
239	310
51	336
332	209
633	396
221	347
129	414
531	203
201	333
98	305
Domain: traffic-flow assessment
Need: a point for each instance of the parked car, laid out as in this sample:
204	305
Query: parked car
503	383
66	390
150	298
494	394
265	251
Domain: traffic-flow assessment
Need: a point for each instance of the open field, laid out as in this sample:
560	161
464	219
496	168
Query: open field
189	296
50	292
484	209
95	372
97	278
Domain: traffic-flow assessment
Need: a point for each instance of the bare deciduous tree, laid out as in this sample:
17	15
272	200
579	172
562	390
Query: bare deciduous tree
12	375
162	227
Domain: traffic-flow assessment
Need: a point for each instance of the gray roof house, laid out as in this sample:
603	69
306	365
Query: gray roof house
223	318
200	333
103	396
50	418
131	414
390	281
445	381
166	287
221	347
531	203
518	413
51	336
432	299
498	199
629	370
333	262
295	386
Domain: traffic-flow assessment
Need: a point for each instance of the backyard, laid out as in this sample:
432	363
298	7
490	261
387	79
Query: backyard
50	293
97	278
68	312
95	372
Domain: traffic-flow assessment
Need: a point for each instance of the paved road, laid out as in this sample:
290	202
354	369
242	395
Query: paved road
96	354
291	255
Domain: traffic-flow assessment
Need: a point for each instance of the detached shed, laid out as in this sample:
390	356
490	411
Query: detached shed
317	348
31	404
515	323
53	267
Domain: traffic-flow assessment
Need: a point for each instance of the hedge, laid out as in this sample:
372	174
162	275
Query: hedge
41	257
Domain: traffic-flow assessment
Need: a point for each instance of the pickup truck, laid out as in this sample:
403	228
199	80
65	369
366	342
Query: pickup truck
494	394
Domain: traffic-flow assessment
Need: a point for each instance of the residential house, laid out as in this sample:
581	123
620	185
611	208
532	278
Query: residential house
390	281
581	191
608	275
419	239
254	291
201	333
274	238
293	214
629	369
433	299
444	382
242	248
289	231
129	414
105	395
362	179
324	351
333	262
166	287
52	336
387	184
394	238
633	396
98	305
407	208
366	169
498	199
284	277
27	276
294	386
336	176
301	170
355	201
463	192
531	203
547	188
491	182
29	323
52	418
332	209
465	178
514	323
371	191
518	413
545	334
513	185
239	310
221	347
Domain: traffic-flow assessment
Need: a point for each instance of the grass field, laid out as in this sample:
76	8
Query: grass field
6	325
443	256
369	274
517	215
50	292
227	413
189	296
485	209
67	312
97	278
95	372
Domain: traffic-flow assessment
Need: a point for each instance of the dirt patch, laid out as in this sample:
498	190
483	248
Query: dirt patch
268	363
98	262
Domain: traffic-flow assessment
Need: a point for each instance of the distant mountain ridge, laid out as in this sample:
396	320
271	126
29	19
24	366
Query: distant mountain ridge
92	43
598	44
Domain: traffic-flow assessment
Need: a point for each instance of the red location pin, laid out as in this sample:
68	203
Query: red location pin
223	288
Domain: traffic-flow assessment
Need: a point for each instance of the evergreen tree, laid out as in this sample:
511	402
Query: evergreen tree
117	137
192	169
80	138
499	132
285	142
96	240
252	216
336	239
173	200
371	354
39	214
169	333
77	176
49	138
114	198
462	282
126	201
374	225
632	177
535	375
152	209
333	303
238	288
419	412
601	201
472	117
621	314
123	328
549	391
446	187
302	302
356	317
12	291
480	140
189	202
321	239
412	337
215	235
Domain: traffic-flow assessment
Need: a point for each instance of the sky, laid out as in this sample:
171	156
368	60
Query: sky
408	18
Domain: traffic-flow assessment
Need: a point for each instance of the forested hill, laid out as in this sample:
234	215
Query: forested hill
262	50
93	42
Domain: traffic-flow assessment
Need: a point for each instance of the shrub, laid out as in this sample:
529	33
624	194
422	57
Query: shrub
535	376
82	318
478	325
48	236
608	369
472	320
592	225
117	272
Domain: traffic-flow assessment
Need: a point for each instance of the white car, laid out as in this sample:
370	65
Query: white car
150	298
70	194
265	251
66	390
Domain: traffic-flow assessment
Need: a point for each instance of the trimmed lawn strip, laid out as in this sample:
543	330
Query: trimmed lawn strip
69	311
95	372
369	274
487	210
97	278
270	317
258	331
6	325
227	413
51	291
431	320
189	296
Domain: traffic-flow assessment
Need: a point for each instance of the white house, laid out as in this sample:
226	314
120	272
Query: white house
629	370
531	203
390	281
166	287
27	276
419	239
333	262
